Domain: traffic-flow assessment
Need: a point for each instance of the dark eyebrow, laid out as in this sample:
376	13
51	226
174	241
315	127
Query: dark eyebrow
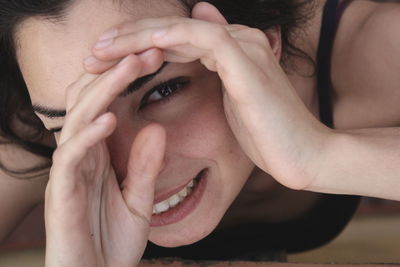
49	112
52	113
137	84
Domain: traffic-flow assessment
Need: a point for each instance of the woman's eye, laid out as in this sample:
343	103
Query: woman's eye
164	91
55	130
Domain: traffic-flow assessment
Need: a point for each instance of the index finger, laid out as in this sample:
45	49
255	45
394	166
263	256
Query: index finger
93	100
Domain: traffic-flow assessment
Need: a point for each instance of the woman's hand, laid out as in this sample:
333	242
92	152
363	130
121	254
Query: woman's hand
90	219
267	116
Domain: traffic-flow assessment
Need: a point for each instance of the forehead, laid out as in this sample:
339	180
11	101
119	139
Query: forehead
50	54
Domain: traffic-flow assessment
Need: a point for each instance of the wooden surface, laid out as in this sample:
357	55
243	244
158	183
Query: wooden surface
372	237
35	258
367	239
247	264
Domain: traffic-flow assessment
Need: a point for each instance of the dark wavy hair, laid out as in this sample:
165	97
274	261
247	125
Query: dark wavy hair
15	105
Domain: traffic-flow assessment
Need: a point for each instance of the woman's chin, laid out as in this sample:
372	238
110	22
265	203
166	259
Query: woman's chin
178	237
192	219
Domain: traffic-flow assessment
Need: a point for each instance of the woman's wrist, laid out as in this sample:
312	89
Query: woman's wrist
360	162
318	148
332	162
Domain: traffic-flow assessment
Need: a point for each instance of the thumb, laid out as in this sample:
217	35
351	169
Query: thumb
145	162
206	11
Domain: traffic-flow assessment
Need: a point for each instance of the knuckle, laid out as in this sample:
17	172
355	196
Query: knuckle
221	33
133	63
59	156
70	90
238	27
260	52
242	27
72	97
104	54
131	69
72	116
47	193
258	35
180	28
71	105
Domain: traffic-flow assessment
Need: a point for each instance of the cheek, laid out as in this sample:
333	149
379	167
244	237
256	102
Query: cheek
196	129
204	134
201	133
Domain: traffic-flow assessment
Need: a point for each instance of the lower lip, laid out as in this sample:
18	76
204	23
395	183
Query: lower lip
184	208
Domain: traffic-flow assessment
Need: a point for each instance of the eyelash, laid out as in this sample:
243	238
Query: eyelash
55	130
167	90
178	83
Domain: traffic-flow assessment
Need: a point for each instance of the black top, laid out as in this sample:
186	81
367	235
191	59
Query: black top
315	228
333	11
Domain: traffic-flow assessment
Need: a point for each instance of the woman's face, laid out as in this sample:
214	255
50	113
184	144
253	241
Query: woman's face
199	140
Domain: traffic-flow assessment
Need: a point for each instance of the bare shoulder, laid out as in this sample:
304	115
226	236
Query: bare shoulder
385	11
366	65
16	177
370	36
377	48
18	195
379	32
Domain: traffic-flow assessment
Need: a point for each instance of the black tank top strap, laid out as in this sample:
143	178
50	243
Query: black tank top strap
332	14
341	8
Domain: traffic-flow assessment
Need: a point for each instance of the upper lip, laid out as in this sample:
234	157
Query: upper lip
159	197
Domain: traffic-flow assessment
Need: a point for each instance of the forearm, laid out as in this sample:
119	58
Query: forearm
360	162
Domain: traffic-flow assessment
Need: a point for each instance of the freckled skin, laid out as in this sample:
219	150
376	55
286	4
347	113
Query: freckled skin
197	132
50	57
198	135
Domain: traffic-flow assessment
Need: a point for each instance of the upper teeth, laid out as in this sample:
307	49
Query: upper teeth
173	200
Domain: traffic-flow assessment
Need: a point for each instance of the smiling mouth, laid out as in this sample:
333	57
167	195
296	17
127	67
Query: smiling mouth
179	205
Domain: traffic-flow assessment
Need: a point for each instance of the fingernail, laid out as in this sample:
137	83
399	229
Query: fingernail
102	119
90	60
109	34
104	43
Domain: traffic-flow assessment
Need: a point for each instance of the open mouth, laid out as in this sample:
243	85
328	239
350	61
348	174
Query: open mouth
179	205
